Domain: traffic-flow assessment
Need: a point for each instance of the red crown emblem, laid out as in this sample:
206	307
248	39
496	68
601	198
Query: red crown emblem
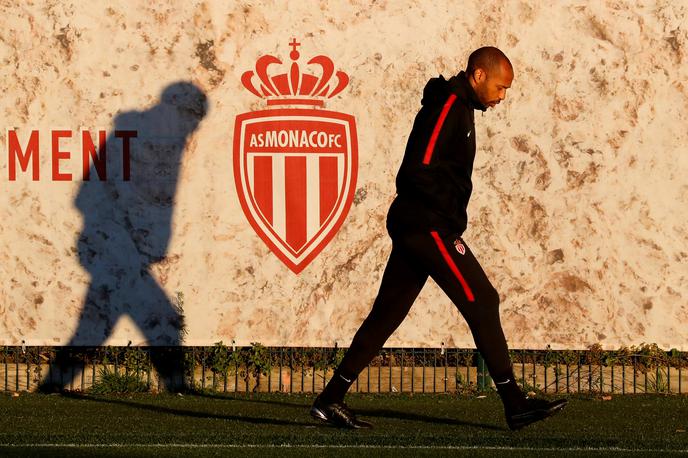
295	87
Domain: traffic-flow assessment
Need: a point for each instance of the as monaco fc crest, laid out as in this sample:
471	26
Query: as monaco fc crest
295	163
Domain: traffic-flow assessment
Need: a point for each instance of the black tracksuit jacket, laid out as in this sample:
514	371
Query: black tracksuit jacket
434	180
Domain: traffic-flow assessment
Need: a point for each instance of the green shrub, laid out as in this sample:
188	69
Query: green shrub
111	382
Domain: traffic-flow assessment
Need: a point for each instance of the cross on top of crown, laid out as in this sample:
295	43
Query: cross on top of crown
294	54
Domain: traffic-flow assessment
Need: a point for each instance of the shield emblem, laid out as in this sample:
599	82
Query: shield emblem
295	173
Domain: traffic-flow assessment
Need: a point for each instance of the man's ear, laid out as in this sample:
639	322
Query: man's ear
479	75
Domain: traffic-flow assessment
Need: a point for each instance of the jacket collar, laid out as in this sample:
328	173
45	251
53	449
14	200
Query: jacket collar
460	86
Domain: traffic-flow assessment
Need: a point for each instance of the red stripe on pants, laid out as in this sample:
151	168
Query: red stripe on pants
295	200
328	186
452	266
262	184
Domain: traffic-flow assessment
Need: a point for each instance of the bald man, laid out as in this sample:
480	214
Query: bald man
426	221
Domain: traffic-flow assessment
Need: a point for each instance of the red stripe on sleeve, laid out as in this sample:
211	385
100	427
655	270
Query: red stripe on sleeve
452	266
436	132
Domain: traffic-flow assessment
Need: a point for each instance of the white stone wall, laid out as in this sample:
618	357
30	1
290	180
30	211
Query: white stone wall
578	213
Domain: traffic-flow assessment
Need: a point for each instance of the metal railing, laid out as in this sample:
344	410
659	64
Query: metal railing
645	369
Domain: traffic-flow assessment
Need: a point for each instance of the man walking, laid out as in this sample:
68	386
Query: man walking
426	221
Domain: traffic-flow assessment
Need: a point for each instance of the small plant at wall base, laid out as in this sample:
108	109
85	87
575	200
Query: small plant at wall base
248	363
464	388
324	360
111	382
258	362
136	360
222	359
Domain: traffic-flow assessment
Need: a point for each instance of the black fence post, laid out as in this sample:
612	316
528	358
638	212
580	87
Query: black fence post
401	373
423	371
483	377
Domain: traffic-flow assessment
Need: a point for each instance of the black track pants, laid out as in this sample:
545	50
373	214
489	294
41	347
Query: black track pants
453	267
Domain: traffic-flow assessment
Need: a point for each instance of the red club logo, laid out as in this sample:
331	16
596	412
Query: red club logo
295	164
460	247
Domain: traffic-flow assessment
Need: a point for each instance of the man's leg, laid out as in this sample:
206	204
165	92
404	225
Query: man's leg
401	283
456	270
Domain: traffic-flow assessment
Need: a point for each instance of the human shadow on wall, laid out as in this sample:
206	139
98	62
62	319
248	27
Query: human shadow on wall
127	228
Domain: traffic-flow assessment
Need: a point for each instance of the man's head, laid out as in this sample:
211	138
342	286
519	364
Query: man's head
490	74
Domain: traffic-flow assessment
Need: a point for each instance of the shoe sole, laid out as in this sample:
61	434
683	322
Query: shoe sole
520	421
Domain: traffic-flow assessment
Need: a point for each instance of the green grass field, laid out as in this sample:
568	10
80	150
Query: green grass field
279	425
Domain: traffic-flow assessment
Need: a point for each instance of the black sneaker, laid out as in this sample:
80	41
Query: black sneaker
337	414
533	410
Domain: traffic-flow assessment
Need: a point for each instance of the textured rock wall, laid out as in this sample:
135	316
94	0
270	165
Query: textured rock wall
578	213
